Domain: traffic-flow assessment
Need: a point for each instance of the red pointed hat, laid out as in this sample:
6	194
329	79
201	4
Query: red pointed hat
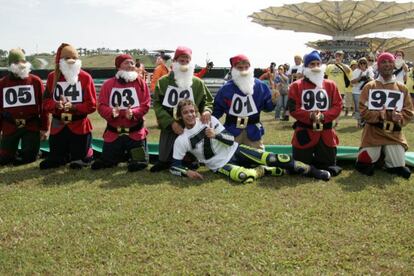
239	58
182	50
121	58
385	56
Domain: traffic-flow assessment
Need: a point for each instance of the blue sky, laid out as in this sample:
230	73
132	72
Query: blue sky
214	29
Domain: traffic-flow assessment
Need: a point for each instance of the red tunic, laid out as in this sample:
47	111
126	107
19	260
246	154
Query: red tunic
140	88
23	100
329	136
85	104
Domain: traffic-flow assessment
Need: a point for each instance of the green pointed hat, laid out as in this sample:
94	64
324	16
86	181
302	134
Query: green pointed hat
16	55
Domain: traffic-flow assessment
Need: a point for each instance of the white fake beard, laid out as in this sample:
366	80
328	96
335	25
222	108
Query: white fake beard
244	80
128	76
184	80
21	70
315	75
70	71
399	63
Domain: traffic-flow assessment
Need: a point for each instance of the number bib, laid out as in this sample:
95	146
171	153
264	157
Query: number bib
124	97
315	99
391	99
242	106
174	95
73	92
19	95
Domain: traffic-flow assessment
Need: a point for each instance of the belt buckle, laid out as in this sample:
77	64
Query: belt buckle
317	126
20	123
122	130
242	122
66	117
388	126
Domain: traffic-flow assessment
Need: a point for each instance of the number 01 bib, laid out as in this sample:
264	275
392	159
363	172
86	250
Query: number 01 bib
242	106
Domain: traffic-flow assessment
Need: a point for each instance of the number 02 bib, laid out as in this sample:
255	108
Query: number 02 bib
174	95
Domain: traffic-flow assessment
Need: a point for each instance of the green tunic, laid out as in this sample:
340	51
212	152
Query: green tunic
202	98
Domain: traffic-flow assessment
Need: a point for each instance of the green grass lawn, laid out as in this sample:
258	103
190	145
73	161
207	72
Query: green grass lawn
114	222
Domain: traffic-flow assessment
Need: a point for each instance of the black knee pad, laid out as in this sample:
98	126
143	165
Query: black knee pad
400	171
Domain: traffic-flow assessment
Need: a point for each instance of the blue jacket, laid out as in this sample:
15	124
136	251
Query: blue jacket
262	98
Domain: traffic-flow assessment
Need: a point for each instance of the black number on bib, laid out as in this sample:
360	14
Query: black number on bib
127	93
118	99
321	100
23	95
185	94
238	105
309	100
201	137
378	99
71	91
173	97
394	99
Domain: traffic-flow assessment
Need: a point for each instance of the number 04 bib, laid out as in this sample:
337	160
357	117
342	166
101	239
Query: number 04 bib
174	95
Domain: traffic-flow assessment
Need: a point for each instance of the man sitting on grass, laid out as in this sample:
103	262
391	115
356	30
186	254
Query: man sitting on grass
212	145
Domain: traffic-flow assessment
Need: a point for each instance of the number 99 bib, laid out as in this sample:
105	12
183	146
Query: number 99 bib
315	99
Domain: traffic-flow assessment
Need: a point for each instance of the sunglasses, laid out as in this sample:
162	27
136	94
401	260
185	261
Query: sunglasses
362	63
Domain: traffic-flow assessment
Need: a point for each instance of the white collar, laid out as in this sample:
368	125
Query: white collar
381	79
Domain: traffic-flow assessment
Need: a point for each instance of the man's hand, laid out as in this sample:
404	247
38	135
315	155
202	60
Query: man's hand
275	95
210	133
61	103
396	116
43	135
316	116
205	117
115	111
194	175
129	114
67	106
177	128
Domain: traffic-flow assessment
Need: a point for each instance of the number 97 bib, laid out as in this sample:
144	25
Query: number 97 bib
315	99
391	99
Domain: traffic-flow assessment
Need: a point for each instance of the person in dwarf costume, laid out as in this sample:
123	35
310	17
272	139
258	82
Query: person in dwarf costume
170	89
386	107
123	102
69	96
214	146
242	99
22	118
315	103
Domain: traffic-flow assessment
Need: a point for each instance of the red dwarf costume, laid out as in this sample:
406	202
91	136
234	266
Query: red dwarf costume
315	107
70	96
121	95
21	114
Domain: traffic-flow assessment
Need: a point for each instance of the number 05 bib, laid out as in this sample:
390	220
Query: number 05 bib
20	95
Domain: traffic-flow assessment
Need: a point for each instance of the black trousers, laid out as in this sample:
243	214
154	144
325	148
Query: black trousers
321	156
120	150
67	146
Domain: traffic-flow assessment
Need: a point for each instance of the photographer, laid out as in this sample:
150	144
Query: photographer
361	76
